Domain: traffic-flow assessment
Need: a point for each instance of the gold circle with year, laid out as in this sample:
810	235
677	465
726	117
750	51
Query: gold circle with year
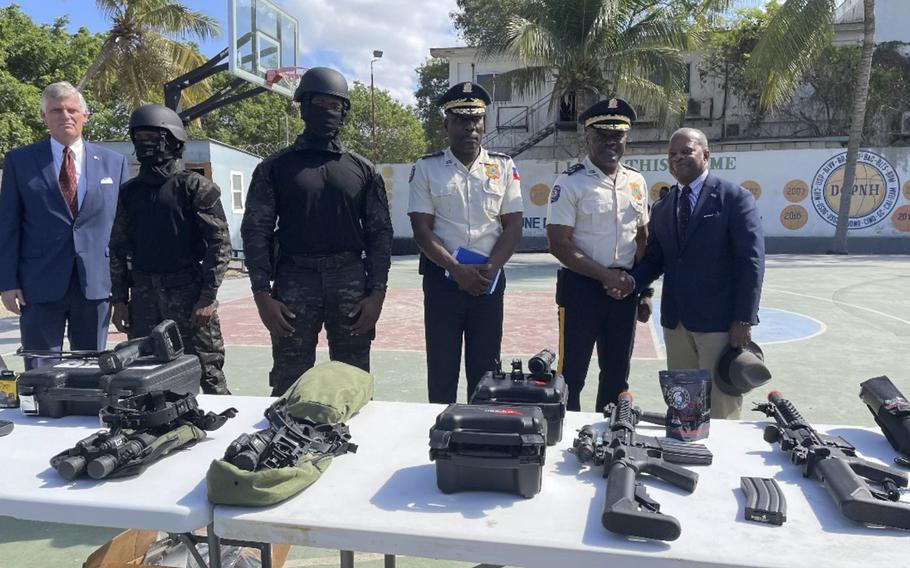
654	191
753	187
794	217
901	218
539	194
796	190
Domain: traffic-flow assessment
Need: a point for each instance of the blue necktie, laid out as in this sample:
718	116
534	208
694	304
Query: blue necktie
685	211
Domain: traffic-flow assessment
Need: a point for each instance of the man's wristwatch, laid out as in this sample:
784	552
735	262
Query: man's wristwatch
745	323
647	293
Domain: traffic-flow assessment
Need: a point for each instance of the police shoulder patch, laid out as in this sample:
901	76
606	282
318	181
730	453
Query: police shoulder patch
636	190
574	168
411	176
555	193
432	155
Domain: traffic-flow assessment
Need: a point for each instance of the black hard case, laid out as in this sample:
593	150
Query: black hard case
489	448
549	393
78	387
890	409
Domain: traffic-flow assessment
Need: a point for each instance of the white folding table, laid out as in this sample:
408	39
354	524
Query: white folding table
169	496
384	499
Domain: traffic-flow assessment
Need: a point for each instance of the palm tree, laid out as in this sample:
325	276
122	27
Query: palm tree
594	48
143	49
795	36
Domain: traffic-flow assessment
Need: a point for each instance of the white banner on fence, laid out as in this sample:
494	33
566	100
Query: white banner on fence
797	191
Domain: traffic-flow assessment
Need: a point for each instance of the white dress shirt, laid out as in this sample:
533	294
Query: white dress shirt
466	201
605	211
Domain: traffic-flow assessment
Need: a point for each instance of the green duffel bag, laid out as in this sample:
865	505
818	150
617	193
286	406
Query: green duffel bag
328	393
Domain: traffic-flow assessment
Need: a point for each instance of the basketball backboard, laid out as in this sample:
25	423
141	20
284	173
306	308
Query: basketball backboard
262	37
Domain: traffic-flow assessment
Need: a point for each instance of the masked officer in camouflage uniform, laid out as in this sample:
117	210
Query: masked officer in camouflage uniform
170	245
324	209
463	198
597	228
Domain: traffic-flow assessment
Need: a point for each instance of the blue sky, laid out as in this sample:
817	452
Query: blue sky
335	33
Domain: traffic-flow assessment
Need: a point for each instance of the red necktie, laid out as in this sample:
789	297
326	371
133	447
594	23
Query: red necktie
68	181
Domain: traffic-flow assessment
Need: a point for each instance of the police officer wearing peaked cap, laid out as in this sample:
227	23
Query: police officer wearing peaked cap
597	228
463	198
172	226
326	210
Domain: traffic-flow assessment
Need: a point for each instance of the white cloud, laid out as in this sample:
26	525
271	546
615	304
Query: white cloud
345	33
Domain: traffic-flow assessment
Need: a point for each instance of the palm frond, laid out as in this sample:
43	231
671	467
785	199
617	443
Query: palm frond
527	80
185	58
658	30
171	18
794	37
110	9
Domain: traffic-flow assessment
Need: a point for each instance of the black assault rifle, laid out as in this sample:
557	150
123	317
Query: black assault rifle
863	491
628	509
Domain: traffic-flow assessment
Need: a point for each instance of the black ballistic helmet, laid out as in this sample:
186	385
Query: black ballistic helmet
157	116
322	81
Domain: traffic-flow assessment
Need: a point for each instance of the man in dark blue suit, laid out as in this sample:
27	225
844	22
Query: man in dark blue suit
706	239
57	205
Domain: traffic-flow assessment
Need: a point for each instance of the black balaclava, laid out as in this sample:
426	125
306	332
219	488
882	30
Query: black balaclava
158	158
322	124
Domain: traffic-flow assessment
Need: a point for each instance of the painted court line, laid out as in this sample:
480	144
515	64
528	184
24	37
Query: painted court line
840	303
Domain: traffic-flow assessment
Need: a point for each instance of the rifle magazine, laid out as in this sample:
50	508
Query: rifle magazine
765	502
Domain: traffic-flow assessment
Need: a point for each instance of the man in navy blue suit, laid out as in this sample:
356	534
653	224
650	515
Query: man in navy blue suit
57	205
706	239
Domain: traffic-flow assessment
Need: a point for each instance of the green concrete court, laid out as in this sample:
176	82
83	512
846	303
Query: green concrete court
828	322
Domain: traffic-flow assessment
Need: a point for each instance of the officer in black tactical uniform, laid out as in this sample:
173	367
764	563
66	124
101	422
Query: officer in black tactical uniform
170	245
330	252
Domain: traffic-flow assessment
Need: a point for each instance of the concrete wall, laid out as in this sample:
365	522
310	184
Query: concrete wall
797	194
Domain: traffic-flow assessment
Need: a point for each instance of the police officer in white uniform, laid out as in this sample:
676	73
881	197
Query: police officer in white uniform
597	228
464	202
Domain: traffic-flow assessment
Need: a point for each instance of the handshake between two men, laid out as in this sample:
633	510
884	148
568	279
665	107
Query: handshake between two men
617	283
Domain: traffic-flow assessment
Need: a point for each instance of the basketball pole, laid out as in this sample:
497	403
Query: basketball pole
377	54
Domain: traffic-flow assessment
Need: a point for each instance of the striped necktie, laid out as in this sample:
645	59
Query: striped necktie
67	181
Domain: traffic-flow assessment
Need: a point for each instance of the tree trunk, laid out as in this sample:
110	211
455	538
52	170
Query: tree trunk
857	121
96	64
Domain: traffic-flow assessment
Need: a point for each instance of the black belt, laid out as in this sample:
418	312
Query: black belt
321	263
166	279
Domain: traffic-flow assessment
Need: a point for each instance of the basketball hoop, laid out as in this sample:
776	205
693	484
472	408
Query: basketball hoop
286	76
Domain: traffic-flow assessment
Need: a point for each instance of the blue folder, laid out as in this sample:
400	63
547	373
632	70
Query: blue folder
468	256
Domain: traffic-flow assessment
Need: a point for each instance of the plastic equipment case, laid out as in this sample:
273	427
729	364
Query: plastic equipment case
541	387
489	448
79	386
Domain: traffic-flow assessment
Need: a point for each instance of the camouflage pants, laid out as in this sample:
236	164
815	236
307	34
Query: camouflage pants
150	305
317	299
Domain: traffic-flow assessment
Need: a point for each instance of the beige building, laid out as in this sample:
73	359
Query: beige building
527	126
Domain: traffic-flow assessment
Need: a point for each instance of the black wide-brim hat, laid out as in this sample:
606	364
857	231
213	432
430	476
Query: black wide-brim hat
741	369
